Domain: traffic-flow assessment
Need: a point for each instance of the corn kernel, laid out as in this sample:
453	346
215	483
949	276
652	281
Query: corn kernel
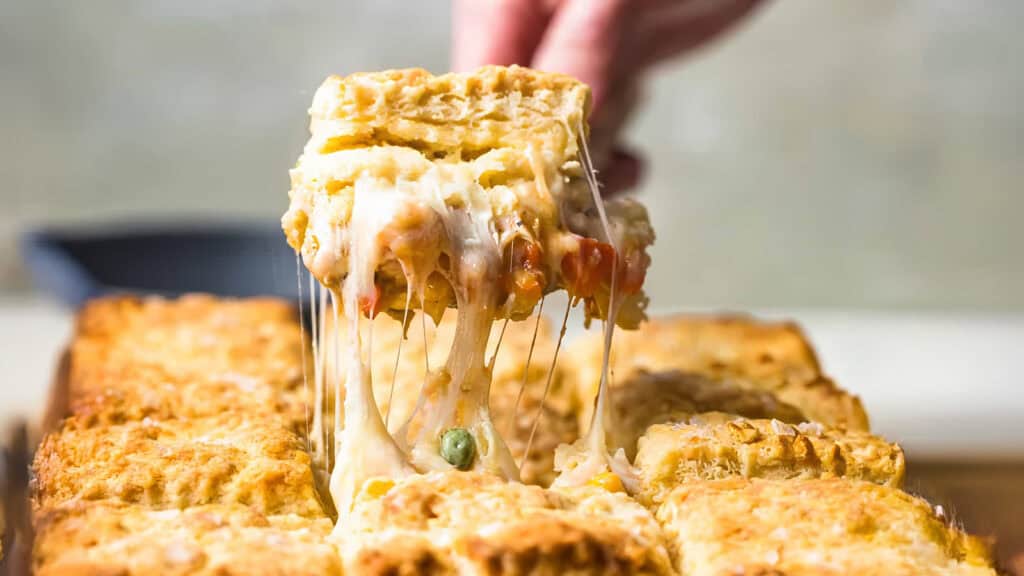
609	481
376	488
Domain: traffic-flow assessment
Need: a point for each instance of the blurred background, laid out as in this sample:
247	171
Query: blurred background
853	154
856	164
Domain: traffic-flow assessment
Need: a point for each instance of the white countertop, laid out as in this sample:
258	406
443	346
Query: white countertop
943	385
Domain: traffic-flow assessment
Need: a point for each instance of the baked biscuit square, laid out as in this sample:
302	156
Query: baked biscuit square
715	446
194	356
178	464
818	527
83	538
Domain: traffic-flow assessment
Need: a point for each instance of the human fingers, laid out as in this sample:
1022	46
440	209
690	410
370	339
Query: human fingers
624	171
501	32
672	28
583	40
607	122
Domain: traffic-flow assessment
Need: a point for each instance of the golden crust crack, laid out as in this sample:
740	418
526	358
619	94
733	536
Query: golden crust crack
739	350
648	398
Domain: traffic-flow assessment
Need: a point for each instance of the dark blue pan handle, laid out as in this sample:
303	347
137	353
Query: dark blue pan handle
224	259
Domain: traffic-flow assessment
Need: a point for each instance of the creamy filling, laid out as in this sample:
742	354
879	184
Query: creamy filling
395	220
458	397
359	447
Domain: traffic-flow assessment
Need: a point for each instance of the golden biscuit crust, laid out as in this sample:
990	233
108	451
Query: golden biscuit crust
481	524
769	356
707	449
813	527
179	463
194	356
494	107
111	538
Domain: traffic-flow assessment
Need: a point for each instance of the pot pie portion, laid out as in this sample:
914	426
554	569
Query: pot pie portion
184	451
813	527
470	191
773	357
718	494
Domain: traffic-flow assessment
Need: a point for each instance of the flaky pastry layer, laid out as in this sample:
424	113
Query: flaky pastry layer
646	398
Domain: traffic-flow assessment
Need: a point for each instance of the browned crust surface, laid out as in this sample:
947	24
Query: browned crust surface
648	398
452	112
195	356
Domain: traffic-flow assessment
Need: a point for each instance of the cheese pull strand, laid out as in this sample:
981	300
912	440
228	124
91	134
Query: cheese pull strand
589	457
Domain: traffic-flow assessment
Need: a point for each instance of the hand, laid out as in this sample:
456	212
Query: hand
609	44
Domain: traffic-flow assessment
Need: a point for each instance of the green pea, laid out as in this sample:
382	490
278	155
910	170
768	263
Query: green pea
457	448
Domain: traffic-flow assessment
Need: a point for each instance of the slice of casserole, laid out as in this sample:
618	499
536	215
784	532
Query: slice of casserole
455	178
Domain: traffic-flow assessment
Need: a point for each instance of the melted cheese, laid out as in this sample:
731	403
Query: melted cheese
588	457
364	447
456	394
